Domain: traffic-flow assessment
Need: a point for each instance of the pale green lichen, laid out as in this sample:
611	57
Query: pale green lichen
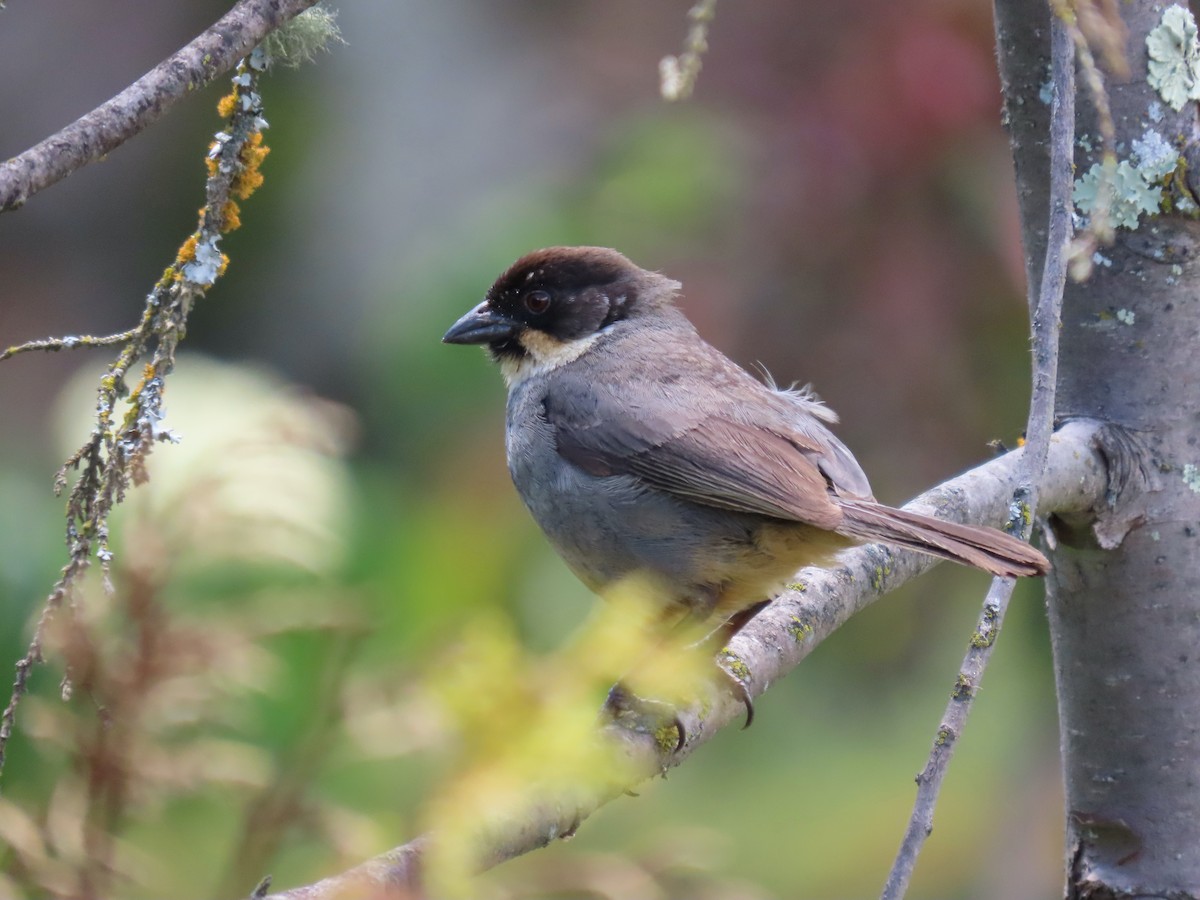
1174	68
964	688
1191	477
1125	316
1134	191
1046	91
1156	158
982	639
300	40
1132	186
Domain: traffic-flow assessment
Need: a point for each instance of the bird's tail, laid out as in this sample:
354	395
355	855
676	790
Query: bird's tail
972	545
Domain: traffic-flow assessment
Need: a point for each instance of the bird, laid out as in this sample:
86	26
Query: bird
643	451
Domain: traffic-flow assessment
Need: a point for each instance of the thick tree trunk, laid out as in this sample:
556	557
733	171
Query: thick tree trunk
1124	597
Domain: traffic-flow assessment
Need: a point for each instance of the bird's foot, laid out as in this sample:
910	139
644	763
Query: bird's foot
655	716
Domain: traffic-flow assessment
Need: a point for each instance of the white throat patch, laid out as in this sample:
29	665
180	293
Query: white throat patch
543	354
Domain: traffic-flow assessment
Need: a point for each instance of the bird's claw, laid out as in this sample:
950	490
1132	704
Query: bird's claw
740	693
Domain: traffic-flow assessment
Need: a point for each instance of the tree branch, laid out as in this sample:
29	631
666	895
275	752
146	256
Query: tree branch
1074	479
109	125
1045	308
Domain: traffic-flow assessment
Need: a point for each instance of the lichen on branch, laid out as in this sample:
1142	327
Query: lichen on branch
130	417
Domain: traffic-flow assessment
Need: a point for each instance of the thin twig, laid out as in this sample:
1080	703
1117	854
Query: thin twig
677	74
773	644
109	125
70	342
1046	306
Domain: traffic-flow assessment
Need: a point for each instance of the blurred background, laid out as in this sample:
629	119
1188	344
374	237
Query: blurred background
837	200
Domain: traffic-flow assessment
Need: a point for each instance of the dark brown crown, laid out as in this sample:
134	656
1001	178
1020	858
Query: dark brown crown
587	289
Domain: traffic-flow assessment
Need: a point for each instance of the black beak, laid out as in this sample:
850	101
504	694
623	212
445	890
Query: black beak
481	325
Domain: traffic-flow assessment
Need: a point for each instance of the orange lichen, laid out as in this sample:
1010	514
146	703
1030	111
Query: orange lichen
230	218
187	252
226	104
148	372
254	151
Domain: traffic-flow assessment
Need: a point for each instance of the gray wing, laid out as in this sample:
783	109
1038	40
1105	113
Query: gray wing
712	457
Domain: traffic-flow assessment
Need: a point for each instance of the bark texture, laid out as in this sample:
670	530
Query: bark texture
1124	595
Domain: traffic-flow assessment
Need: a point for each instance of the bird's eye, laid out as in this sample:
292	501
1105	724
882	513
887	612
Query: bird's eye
537	302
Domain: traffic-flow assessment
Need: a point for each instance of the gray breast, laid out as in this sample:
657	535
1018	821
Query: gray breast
606	528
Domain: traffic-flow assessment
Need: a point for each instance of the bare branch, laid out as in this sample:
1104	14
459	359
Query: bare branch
1046	308
774	643
109	125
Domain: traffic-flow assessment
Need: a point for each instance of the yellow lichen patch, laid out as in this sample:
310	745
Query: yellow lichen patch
230	218
224	265
799	629
211	164
226	104
147	373
254	151
187	252
735	664
666	738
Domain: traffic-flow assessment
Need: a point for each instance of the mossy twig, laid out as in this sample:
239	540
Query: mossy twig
114	456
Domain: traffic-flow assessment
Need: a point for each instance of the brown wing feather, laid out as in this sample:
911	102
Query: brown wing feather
743	468
705	457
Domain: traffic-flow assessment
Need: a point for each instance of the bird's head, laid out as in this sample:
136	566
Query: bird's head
551	305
